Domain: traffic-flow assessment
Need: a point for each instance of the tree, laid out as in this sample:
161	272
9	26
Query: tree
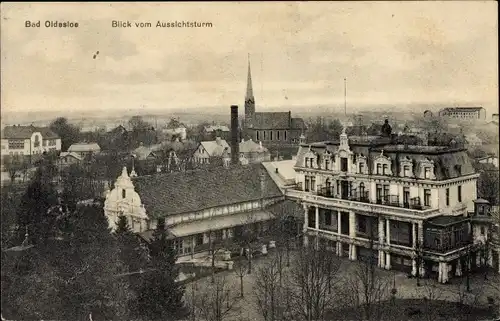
366	288
488	183
142	132
13	164
88	261
269	291
68	133
312	283
38	209
241	269
335	128
430	292
246	234
161	297
215	302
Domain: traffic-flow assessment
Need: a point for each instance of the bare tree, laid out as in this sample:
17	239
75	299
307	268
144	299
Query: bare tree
246	235
216	245
312	282
269	291
430	292
215	302
367	287
241	269
13	164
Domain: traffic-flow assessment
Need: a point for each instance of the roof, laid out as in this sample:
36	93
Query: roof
214	147
183	192
445	158
250	146
298	123
216	127
25	132
461	109
84	147
142	152
72	154
481	201
272	120
446	220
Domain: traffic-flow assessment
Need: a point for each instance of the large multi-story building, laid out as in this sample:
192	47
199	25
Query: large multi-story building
20	140
464	113
409	206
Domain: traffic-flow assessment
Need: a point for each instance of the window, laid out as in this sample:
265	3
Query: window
343	164
16	144
44	143
379	169
406	196
361	168
327	164
427	173
482	230
460	193
313	183
386	191
271	135
406	171
219	234
52	142
447	197
427	197
124	193
379	193
257	135
328	217
307	162
362	224
178	245
37	141
278	135
385	169
264	133
285	134
361	189
307	184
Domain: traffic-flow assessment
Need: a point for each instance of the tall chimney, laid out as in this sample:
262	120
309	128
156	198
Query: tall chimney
235	146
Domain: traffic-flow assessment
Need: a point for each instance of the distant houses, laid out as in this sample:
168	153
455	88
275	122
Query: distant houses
20	140
84	149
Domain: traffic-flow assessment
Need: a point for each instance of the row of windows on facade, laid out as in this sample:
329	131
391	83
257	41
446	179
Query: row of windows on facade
35	152
271	135
382	191
380	169
19	144
400	232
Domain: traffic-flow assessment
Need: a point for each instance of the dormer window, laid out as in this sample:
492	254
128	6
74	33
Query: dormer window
307	162
327	164
379	169
124	193
406	171
427	173
361	168
385	169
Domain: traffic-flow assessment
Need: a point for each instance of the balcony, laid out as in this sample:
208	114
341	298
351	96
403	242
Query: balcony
326	197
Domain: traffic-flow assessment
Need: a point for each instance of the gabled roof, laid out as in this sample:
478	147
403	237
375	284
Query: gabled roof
143	152
272	120
183	192
250	146
215	148
25	132
84	147
70	154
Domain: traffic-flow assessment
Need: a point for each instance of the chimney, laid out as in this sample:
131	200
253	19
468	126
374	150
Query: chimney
235	146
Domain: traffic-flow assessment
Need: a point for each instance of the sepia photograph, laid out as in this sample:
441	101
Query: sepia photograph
250	161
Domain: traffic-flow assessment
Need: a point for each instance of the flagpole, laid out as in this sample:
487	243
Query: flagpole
345	97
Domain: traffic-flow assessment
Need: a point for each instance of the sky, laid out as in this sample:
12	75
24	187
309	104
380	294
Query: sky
390	53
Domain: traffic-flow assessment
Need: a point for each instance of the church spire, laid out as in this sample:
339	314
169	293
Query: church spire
249	94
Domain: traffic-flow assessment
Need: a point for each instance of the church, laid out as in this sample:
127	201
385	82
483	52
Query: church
273	129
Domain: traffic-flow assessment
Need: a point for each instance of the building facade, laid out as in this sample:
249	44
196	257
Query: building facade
29	140
408	206
464	113
271	128
195	206
85	149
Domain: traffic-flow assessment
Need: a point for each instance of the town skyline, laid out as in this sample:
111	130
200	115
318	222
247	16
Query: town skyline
300	53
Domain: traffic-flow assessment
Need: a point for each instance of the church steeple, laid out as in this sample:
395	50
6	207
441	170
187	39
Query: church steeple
249	94
249	100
